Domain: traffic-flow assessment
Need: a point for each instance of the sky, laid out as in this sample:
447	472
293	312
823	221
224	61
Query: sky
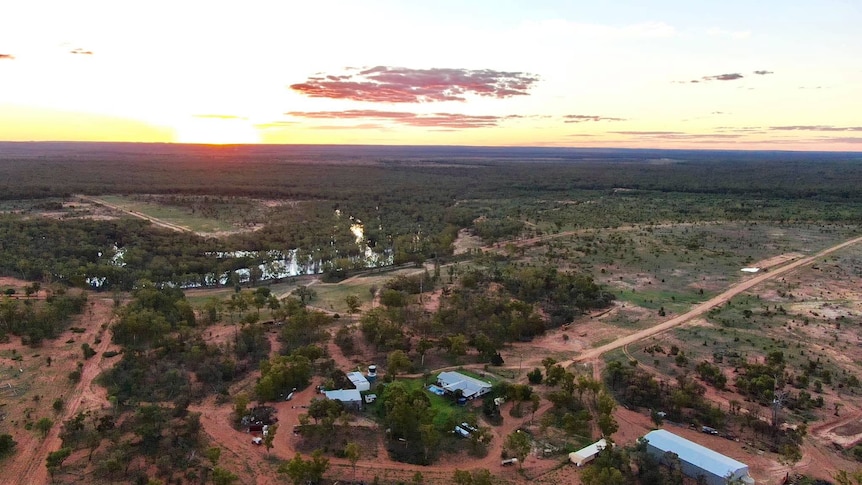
774	75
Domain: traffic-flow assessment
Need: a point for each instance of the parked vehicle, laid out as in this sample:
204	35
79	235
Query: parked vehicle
468	427
257	440
509	462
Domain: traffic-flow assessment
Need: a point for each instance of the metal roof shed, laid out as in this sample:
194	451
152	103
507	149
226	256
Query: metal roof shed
349	397
470	387
359	381
586	455
697	460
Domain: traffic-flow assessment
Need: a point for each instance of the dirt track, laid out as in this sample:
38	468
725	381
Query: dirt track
28	465
158	222
704	307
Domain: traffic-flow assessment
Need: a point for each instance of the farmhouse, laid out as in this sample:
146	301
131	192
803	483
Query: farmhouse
470	387
349	397
696	460
586	455
359	381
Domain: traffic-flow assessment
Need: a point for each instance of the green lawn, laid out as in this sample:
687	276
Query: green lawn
443	407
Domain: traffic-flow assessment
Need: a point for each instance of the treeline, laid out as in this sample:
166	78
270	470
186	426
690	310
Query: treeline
344	173
36	320
80	251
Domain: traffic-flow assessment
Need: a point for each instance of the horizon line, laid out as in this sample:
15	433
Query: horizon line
538	147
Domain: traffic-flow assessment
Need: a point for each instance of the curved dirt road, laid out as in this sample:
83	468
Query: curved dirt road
155	221
702	308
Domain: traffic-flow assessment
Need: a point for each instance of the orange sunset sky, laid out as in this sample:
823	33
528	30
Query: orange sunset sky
665	74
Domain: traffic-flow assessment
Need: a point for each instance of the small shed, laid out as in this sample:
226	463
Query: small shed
588	454
349	397
359	381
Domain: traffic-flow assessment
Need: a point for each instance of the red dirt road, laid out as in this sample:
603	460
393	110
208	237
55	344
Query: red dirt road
707	305
27	466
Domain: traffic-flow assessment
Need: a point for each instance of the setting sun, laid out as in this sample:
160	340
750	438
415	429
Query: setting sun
216	130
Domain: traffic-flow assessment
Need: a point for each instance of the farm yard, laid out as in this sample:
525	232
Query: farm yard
589	311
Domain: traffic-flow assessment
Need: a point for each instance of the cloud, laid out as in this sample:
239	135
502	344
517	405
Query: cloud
743	129
733	76
432	120
276	124
678	135
583	118
763	73
815	128
384	84
361	126
647	133
723	77
79	51
6	57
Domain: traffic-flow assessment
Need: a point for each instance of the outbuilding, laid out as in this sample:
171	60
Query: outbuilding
349	397
697	461
588	454
359	381
470	387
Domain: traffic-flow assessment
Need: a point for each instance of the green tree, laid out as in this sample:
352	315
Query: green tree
518	444
398	362
240	404
353	304
462	477
222	476
43	426
55	460
422	348
7	444
270	437
352	452
535	376
536	402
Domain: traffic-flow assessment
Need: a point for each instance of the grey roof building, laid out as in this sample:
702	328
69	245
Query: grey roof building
698	461
349	397
470	387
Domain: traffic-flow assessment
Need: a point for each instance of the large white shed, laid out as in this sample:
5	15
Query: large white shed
696	460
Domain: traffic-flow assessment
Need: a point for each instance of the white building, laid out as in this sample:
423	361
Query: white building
696	460
470	387
588	454
349	397
359	381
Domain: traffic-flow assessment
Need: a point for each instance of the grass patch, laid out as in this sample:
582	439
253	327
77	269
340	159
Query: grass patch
444	408
603	341
482	377
656	299
175	215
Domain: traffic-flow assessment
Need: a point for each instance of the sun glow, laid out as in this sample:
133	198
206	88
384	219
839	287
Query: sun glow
216	131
